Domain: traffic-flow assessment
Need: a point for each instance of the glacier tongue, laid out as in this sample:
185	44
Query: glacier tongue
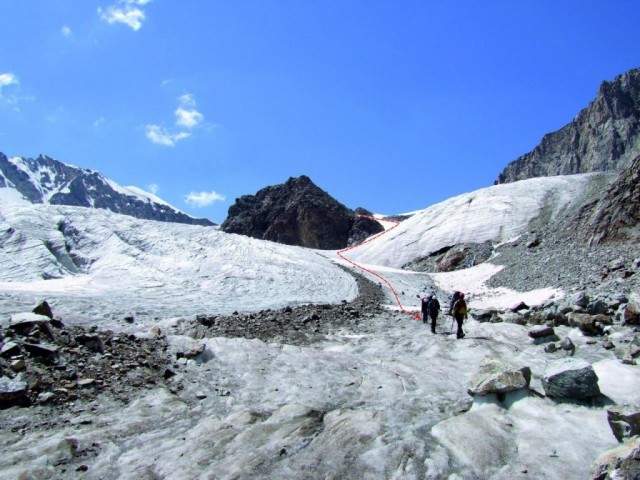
96	265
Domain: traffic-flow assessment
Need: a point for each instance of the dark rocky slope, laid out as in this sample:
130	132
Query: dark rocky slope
604	136
615	216
298	212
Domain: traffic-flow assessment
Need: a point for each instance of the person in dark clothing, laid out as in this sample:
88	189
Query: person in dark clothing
425	308
434	309
459	312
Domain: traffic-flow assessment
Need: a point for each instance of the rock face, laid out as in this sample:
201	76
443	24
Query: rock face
603	136
615	216
298	213
45	180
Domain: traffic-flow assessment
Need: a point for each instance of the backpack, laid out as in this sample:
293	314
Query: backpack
434	306
454	298
459	307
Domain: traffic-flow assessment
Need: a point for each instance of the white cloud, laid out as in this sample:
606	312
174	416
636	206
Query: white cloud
66	31
7	79
125	11
186	114
161	136
153	188
187	118
203	199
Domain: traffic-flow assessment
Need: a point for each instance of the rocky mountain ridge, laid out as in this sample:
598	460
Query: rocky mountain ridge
604	136
45	180
298	212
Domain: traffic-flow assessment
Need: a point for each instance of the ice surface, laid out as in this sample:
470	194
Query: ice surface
390	404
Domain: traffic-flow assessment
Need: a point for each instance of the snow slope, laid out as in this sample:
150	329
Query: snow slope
497	213
94	264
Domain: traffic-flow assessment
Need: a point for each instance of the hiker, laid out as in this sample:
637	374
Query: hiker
459	312
434	309
425	308
456	296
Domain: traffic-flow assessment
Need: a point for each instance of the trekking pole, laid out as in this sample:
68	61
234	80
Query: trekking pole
451	329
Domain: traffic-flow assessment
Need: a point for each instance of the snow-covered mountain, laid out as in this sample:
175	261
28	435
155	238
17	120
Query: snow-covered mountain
45	180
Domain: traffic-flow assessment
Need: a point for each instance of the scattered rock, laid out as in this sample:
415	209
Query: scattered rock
568	345
620	463
571	379
520	306
44	309
10	349
11	389
498	376
624	421
91	342
589	324
631	314
541	332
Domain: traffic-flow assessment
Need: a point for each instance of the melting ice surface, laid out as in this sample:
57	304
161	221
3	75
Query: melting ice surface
387	402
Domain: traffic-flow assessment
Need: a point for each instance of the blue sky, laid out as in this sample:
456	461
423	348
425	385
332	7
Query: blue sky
388	105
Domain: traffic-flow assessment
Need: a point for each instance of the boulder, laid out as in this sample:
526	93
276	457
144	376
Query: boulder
11	389
44	309
590	325
599	307
624	421
9	349
568	345
622	462
498	376
41	350
631	315
541	332
483	316
570	378
190	349
579	299
91	342
511	317
23	323
519	306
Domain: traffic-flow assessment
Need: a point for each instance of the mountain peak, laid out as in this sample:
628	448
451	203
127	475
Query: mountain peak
604	136
297	212
45	180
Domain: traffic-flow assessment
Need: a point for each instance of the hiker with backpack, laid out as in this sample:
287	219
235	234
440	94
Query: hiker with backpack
459	311
430	309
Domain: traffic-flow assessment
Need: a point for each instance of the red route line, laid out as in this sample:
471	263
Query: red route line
375	274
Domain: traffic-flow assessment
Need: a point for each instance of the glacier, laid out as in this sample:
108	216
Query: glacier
388	402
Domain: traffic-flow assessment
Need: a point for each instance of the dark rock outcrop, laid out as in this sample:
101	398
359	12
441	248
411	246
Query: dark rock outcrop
45	180
604	136
615	215
298	212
